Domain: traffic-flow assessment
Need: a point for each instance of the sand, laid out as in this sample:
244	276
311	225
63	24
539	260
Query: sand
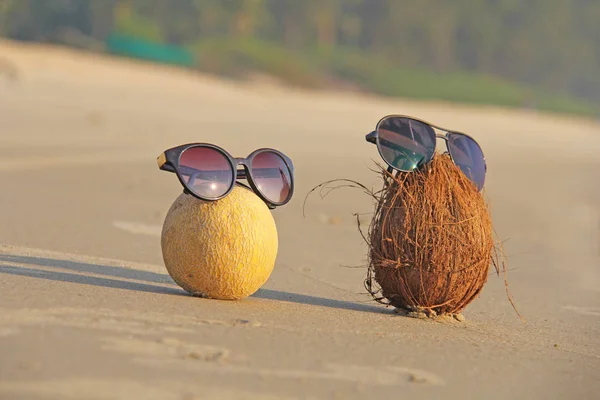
87	310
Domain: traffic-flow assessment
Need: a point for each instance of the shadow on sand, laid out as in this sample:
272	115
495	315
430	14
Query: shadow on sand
318	301
120	278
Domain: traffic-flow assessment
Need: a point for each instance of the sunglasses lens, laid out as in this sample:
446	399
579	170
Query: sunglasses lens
467	155
405	143
206	171
271	176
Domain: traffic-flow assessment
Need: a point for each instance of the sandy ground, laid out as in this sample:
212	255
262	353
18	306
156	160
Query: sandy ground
87	310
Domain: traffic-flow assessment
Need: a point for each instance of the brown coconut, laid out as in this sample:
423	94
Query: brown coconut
430	241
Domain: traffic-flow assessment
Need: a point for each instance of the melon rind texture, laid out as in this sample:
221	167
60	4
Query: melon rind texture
224	249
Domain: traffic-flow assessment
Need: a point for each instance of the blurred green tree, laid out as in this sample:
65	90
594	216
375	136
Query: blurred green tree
551	44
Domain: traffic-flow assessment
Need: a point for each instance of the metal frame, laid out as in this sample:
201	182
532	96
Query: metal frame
373	137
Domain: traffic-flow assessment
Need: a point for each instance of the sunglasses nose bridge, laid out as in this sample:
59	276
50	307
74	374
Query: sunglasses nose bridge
241	173
241	161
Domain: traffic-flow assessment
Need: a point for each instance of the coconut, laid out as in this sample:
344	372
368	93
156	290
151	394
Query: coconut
222	249
430	240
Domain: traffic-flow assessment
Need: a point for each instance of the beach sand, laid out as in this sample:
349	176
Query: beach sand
87	310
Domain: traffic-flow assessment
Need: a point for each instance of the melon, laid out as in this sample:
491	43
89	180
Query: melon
224	249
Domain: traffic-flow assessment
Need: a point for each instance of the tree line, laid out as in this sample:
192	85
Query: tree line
551	44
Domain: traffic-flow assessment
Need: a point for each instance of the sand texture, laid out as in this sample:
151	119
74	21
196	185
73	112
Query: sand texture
88	311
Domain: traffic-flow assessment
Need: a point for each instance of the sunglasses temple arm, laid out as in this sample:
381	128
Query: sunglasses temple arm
371	137
241	174
167	167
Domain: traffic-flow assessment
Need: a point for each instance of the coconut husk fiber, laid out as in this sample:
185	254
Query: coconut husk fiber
430	240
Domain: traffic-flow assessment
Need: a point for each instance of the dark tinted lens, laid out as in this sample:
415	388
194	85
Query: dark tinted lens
467	155
405	143
206	171
271	176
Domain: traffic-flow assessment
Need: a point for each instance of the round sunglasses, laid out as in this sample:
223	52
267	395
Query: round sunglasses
405	143
208	172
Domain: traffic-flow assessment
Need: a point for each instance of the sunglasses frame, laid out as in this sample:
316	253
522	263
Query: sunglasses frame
373	137
169	161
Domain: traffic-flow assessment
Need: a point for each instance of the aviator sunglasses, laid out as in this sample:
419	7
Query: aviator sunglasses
406	143
209	173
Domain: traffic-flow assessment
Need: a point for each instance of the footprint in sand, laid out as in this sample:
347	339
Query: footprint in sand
166	347
359	374
176	353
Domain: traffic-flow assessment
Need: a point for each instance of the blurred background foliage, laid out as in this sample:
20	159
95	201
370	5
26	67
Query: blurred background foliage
542	54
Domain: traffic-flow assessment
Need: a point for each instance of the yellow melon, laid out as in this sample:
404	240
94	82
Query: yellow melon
223	249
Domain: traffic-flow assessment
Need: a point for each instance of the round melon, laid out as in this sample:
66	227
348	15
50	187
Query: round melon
224	249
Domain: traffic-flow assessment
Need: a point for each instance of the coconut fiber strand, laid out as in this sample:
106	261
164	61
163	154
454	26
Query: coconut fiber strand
430	240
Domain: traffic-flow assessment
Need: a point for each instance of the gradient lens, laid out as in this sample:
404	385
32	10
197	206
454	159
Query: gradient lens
271	176
405	143
207	172
467	155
